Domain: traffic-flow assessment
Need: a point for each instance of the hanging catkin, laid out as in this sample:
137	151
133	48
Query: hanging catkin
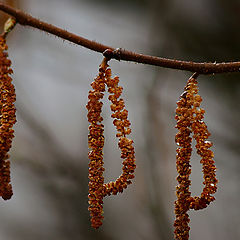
97	188
7	119
189	118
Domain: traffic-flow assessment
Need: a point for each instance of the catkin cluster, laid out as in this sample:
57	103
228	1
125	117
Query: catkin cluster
7	119
97	188
189	118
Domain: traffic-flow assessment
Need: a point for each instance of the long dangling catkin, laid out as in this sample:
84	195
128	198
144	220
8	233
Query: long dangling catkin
96	143
183	140
97	188
7	119
189	118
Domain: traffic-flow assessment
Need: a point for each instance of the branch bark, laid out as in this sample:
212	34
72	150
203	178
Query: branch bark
120	54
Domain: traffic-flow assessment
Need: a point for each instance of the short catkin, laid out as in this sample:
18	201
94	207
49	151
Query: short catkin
189	118
97	188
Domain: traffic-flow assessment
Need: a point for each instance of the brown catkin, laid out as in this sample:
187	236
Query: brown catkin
96	143
122	124
189	118
7	119
97	188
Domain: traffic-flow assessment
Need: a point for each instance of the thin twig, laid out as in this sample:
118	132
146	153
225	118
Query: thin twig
121	54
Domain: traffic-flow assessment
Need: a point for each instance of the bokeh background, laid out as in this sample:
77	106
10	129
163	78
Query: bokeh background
52	78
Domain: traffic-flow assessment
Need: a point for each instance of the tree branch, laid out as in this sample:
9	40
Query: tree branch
120	54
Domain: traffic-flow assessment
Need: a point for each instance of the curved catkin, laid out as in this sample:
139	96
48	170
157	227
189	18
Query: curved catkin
97	189
7	119
189	118
201	134
122	124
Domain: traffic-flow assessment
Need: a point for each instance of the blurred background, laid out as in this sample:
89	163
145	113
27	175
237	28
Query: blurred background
52	79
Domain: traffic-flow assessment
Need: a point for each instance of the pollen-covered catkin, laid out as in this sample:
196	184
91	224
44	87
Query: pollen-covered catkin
97	189
96	143
122	124
183	140
201	134
7	119
189	118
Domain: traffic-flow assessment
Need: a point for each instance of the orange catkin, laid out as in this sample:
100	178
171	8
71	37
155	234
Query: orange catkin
189	118
97	189
7	119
